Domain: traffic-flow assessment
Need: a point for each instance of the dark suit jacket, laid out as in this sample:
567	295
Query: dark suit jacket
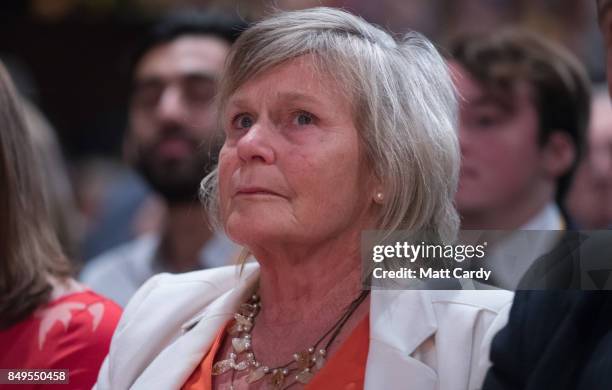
557	339
554	340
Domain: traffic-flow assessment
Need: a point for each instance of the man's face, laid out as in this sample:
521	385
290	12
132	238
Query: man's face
501	158
173	128
589	198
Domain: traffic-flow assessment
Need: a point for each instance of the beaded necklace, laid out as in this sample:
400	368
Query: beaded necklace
300	369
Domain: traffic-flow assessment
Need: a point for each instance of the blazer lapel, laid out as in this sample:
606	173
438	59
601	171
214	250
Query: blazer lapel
400	321
172	367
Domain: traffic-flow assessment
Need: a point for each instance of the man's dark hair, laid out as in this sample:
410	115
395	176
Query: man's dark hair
559	84
187	22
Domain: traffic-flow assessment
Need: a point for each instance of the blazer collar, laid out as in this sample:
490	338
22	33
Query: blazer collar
234	297
400	321
172	367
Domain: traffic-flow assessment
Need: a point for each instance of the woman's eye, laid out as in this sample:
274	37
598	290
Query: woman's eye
303	119
243	121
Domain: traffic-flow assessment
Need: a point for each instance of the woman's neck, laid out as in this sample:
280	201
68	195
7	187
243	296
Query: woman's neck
300	304
296	285
63	286
297	292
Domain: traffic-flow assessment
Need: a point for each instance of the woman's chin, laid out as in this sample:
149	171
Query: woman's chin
254	232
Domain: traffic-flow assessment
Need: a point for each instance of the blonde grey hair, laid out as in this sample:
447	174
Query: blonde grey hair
402	97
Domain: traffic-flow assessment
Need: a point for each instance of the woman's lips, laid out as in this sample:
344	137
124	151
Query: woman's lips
251	191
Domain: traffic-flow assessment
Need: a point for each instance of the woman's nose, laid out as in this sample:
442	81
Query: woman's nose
257	144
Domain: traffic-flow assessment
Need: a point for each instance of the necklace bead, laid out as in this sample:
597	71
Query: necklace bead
300	369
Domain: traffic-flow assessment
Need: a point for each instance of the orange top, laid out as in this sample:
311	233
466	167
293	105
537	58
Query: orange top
345	370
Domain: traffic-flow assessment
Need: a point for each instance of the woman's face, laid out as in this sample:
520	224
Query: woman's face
291	169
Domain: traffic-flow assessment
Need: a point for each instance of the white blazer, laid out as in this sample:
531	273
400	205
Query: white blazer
419	340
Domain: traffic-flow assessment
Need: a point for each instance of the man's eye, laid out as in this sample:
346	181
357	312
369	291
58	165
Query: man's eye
485	121
303	119
200	91
146	95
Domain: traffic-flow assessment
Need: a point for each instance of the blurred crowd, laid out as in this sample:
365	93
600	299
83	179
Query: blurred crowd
535	122
102	202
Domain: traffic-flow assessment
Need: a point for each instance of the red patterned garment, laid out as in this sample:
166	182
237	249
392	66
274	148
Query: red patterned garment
71	332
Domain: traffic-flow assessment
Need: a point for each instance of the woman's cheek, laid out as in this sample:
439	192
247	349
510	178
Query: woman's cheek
224	189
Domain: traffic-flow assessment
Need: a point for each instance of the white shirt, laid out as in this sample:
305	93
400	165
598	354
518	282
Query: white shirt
512	257
549	218
118	273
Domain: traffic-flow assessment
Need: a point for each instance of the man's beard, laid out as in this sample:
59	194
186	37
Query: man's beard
178	180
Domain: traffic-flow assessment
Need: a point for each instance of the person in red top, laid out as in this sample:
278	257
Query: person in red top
47	319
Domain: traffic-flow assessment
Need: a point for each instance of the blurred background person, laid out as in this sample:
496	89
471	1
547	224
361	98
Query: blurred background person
332	127
173	140
75	48
115	204
559	340
524	108
47	319
589	201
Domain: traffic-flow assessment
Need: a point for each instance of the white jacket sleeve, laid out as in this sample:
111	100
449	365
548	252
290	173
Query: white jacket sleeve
107	379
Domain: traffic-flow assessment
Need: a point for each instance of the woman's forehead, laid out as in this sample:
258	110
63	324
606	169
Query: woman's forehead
300	79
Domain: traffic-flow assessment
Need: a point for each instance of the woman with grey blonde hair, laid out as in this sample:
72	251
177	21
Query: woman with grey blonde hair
332	128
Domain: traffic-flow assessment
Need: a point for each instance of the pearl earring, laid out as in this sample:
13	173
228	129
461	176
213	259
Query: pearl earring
379	197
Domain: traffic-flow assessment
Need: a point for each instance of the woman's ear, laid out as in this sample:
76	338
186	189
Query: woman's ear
378	194
374	185
379	197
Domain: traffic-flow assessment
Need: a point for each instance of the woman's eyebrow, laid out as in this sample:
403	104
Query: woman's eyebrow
285	97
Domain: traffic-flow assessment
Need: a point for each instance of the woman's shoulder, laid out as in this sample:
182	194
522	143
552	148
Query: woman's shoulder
216	276
158	316
165	285
484	311
177	297
494	301
72	331
84	321
449	331
489	300
85	318
448	313
97	309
